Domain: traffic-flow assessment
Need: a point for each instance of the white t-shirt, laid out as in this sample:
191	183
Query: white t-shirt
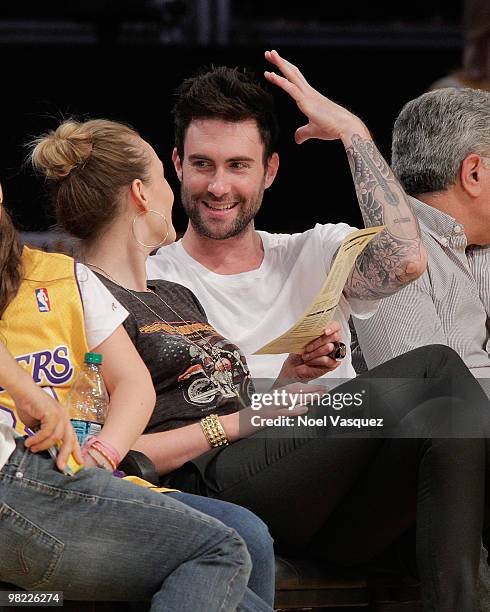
102	315
252	308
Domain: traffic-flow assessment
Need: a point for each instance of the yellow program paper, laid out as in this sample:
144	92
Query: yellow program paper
313	321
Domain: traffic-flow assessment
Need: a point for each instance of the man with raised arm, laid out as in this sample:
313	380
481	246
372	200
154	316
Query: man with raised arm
255	285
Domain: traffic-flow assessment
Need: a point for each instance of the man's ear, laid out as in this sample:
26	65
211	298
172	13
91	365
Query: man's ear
470	174
271	169
177	164
138	196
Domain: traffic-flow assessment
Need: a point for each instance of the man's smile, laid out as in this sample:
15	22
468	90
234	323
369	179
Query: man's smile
219	206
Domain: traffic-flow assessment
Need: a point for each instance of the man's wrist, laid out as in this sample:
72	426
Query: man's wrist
354	128
287	375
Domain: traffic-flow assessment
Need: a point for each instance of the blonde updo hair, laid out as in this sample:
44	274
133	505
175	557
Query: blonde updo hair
87	165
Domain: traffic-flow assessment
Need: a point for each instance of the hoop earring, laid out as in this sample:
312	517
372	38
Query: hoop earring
150	246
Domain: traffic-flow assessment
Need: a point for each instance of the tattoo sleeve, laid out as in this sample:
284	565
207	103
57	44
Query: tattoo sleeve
396	256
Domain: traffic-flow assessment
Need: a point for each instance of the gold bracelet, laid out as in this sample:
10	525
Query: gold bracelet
213	431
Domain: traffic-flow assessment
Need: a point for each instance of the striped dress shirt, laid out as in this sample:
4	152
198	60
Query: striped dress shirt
449	304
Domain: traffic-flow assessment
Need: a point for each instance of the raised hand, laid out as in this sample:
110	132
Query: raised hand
326	119
396	256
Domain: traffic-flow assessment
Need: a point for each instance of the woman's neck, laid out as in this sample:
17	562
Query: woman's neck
119	260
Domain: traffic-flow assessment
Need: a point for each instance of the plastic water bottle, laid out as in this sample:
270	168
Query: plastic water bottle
88	399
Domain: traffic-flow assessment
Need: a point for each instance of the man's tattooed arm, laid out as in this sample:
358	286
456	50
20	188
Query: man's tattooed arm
396	256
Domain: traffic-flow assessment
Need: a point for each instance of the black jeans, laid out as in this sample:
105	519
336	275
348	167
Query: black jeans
346	499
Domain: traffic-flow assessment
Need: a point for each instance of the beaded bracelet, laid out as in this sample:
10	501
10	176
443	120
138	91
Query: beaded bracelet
214	431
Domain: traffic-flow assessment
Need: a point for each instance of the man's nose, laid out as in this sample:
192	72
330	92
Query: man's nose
219	186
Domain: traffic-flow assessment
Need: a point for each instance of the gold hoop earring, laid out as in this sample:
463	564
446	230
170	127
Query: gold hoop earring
150	246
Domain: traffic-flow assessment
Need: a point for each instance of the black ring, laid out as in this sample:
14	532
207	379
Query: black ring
339	352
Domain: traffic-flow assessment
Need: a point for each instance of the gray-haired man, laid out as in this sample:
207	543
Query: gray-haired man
441	155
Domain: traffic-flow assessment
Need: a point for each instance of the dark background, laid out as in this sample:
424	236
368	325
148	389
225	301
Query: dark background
123	60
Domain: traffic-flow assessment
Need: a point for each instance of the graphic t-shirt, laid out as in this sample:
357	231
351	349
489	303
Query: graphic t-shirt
195	370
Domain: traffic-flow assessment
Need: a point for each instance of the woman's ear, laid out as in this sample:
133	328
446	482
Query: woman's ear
138	195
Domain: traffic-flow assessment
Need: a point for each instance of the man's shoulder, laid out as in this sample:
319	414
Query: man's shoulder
163	261
169	250
330	232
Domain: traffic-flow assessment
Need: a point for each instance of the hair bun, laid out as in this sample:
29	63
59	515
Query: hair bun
60	151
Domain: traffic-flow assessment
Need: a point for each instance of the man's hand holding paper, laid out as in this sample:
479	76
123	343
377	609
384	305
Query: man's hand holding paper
318	316
315	360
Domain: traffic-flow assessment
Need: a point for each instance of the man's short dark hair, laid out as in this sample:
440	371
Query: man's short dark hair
229	94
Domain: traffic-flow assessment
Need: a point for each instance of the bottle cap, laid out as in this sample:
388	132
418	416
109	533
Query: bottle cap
93	358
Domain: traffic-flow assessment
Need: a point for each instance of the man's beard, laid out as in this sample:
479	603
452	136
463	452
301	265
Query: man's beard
247	209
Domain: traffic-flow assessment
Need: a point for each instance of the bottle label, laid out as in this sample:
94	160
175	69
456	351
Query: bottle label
83	429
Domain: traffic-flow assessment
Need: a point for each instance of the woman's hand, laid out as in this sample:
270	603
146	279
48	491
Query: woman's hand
36	408
54	424
326	119
314	361
288	401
